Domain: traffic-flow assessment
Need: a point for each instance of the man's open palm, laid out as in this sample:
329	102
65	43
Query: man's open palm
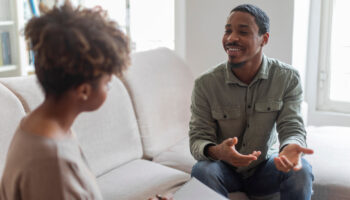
226	151
290	157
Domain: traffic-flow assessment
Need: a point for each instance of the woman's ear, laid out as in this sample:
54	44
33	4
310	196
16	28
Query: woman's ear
84	91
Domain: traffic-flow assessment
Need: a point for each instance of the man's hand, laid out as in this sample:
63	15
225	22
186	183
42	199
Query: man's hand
226	151
290	157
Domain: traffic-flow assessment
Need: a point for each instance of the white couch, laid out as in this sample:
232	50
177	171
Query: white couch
137	142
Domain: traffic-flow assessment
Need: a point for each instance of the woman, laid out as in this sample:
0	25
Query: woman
76	53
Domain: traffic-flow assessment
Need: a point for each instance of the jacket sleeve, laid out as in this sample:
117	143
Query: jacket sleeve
290	125
202	126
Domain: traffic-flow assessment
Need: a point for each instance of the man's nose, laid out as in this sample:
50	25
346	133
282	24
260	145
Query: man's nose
232	37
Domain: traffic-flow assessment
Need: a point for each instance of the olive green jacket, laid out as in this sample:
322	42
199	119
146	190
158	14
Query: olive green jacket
225	107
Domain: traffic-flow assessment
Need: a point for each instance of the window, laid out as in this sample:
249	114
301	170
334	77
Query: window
149	24
334	73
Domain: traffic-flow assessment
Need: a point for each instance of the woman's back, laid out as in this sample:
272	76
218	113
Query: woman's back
41	168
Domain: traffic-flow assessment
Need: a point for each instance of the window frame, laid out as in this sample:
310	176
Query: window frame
324	102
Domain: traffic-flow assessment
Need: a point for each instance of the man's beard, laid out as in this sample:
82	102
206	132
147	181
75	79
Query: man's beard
235	65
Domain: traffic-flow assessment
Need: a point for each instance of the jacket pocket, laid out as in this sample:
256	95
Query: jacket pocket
226	113
268	106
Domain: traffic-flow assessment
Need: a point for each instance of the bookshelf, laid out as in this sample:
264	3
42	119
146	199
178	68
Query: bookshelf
13	51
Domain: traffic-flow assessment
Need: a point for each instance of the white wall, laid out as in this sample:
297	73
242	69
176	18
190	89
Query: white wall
300	37
200	44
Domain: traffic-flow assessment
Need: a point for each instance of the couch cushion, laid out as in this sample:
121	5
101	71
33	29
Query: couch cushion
177	156
109	136
139	180
160	85
330	161
11	113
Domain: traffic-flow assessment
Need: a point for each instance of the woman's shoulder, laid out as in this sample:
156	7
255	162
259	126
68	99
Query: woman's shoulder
35	150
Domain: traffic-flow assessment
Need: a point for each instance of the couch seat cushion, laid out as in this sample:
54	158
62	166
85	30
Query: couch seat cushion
330	161
140	179
177	156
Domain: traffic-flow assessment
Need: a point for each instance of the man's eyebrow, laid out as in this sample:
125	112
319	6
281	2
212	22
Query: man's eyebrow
240	25
244	25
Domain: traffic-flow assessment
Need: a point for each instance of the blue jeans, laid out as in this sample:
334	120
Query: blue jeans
266	180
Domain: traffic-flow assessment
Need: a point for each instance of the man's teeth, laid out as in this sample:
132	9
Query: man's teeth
233	49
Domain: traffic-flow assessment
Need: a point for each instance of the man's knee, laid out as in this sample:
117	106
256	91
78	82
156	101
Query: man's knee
303	177
200	168
204	170
305	173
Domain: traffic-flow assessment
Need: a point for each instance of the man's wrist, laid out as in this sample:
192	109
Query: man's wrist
281	149
211	152
205	151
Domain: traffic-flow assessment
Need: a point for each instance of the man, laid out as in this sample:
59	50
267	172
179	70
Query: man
237	109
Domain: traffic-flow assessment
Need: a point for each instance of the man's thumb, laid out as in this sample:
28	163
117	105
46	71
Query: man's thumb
231	141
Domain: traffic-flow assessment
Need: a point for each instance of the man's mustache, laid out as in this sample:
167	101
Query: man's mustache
232	44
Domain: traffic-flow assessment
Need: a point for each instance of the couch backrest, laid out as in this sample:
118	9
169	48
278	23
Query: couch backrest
109	136
11	113
160	85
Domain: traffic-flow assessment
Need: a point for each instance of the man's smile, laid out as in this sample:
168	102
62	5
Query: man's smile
233	50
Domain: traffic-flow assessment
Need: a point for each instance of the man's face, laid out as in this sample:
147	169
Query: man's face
241	40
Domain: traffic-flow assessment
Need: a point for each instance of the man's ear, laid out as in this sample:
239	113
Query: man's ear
265	39
84	91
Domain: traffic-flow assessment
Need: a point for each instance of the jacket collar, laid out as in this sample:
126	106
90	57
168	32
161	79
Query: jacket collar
263	73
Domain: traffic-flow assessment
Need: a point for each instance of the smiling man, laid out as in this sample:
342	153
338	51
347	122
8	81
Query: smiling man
246	129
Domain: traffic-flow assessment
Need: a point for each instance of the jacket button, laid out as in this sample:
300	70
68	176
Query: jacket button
249	106
225	116
268	108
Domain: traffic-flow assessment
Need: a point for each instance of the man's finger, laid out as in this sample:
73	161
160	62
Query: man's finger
280	165
235	140
244	158
230	141
286	162
256	153
306	150
298	166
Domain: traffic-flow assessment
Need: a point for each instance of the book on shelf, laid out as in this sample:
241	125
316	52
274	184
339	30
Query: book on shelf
34	7
5	48
27	11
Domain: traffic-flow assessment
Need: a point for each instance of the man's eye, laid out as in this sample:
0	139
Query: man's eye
228	31
243	32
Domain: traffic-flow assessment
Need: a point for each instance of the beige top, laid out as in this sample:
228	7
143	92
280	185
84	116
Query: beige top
39	168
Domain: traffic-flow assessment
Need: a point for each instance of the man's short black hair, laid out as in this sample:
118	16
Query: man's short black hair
261	19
